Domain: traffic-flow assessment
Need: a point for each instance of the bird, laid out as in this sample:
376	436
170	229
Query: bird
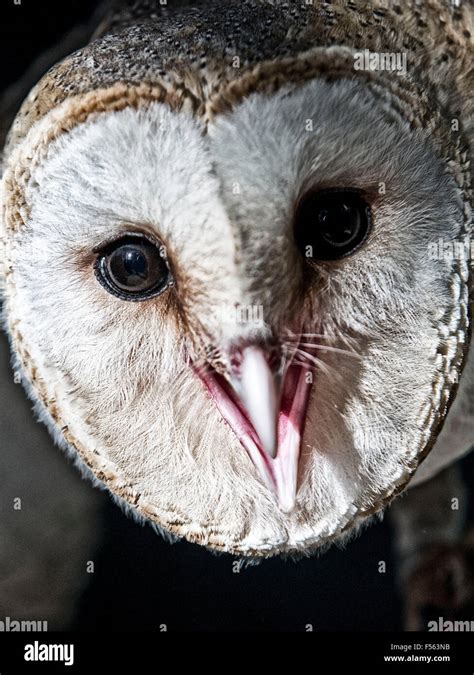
237	265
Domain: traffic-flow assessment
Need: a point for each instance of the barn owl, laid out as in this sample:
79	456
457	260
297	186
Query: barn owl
237	261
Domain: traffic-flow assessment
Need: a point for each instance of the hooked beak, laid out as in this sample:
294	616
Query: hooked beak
267	413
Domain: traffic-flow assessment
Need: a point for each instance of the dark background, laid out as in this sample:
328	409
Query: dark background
141	581
28	29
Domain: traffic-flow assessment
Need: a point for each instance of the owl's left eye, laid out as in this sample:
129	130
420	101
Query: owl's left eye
332	224
133	268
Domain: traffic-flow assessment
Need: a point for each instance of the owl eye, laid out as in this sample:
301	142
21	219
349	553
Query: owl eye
330	225
133	268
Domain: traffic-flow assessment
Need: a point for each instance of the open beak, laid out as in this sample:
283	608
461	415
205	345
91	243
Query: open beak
267	413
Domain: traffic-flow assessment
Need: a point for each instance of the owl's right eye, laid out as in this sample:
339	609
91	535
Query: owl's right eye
133	268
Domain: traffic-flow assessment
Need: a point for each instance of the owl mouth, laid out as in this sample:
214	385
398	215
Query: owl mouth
278	468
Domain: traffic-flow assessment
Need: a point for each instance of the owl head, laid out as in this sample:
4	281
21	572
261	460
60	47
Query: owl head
227	286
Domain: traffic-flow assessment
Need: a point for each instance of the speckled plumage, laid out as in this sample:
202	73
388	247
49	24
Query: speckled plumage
209	63
191	49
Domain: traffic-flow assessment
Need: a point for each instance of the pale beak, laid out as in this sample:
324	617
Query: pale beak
258	388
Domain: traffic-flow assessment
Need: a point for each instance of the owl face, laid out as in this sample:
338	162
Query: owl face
239	326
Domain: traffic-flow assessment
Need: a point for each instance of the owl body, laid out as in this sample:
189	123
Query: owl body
209	135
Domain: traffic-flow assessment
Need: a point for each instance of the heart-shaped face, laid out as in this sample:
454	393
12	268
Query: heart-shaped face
244	318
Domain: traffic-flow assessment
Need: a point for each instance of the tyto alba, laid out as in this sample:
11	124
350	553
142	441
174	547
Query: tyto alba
238	267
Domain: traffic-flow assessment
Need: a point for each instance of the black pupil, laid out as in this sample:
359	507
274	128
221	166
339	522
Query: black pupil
133	268
129	267
331	225
339	223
